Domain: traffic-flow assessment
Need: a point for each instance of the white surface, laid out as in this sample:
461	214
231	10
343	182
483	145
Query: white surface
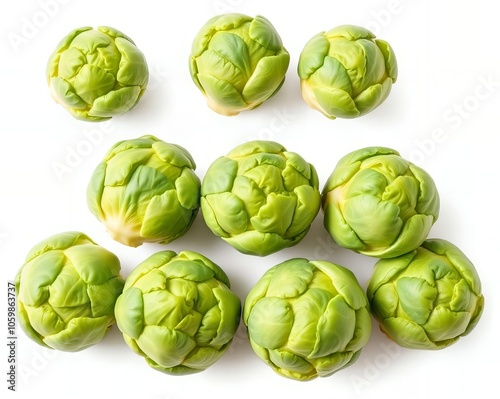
442	114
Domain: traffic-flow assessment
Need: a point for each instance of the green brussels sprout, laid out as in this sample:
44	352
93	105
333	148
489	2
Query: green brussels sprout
307	319
346	72
260	198
96	74
145	190
66	292
427	298
178	312
379	204
238	62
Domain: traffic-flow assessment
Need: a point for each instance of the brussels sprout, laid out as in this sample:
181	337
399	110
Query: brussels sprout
307	319
97	73
238	62
260	198
178	312
427	298
66	292
145	190
379	204
346	72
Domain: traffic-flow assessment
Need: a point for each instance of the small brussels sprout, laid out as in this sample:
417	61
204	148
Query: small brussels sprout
97	73
238	62
66	292
379	204
178	312
427	298
307	319
145	190
260	198
346	72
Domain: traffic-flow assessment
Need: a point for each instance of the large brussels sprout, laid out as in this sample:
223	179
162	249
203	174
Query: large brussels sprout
307	319
427	298
260	198
145	190
379	204
238	62
178	312
346	72
97	73
66	292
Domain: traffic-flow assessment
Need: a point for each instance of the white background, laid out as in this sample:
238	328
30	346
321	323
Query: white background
442	114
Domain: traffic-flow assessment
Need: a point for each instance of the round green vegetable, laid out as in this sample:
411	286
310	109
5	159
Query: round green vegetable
178	312
260	198
145	190
346	72
427	298
238	62
307	319
66	292
379	204
97	73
